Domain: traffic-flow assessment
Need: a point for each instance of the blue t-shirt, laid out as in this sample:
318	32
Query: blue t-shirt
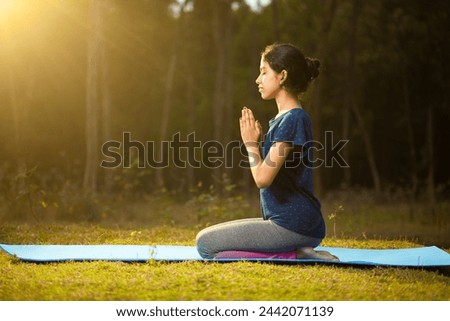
289	201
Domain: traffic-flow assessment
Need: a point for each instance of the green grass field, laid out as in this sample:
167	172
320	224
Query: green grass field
162	221
196	280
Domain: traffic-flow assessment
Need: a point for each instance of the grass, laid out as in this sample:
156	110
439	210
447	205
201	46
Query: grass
353	220
195	280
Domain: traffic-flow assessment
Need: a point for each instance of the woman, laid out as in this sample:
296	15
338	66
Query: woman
292	223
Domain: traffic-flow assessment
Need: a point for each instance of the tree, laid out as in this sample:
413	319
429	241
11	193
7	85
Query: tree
352	94
97	94
316	95
276	20
168	89
223	94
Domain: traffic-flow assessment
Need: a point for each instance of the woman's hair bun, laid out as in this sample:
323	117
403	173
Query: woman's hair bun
301	70
312	68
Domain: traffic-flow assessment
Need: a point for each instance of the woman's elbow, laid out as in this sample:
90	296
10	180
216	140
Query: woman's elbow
262	182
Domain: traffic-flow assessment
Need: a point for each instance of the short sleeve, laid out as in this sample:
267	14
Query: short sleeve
292	128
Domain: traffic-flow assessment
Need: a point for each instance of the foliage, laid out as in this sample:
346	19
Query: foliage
400	62
356	213
399	84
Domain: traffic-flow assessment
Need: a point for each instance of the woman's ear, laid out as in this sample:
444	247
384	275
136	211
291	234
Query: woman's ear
283	76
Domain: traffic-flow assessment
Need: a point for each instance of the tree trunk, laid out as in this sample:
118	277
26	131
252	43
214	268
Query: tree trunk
191	120
349	91
431	191
164	125
345	135
168	93
321	53
276	20
414	173
219	14
222	97
369	148
106	113
95	44
229	94
352	79
253	98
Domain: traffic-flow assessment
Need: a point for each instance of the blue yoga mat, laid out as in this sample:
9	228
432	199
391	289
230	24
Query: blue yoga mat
410	257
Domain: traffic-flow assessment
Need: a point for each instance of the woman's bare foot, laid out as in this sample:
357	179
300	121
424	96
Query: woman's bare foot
310	253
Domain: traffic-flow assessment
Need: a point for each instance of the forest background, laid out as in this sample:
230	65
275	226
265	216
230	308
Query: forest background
75	75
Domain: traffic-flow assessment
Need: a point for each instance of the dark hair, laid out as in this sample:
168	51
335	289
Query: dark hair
300	70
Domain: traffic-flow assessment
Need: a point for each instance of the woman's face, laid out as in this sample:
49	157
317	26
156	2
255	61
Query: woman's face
269	81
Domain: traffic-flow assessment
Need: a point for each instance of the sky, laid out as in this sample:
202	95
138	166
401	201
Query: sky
254	3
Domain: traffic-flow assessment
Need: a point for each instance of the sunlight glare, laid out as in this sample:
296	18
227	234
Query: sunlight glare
5	4
7	7
19	17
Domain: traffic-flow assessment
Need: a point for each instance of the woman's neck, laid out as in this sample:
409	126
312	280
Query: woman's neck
286	102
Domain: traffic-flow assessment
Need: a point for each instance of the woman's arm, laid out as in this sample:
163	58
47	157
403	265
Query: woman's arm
263	171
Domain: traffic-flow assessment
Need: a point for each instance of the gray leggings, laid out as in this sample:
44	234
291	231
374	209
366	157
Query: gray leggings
252	234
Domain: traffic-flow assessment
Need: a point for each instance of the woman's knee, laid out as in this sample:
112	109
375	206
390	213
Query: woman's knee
203	245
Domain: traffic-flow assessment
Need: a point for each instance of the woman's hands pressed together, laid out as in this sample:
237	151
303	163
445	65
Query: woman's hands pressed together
263	170
251	129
